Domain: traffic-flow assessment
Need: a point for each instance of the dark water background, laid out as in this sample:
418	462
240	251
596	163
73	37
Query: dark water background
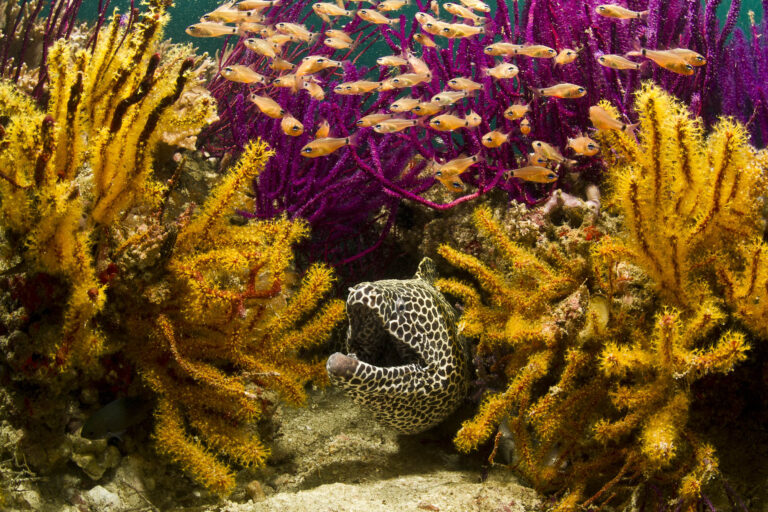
187	12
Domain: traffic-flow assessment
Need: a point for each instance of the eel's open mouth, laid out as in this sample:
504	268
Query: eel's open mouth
371	341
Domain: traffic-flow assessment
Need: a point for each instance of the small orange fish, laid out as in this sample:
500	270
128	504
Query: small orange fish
666	59
207	29
404	105
375	17
336	44
536	159
525	126
330	9
476	5
323	130
463	84
534	173
314	89
372	119
280	39
314	63
357	87
291	126
434	28
460	30
250	27
427	109
224	15
584	145
617	62
602	120
446	98
517	111
291	82
494	139
550	152
324	146
620	13
338	34
564	90
473	119
434	7
391	5
452	183
502	48
463	12
502	71
448	123
690	56
566	56
279	64
242	74
422	39
295	29
394	125
418	65
405	80
537	51
248	5
391	61
456	166
268	106
262	47
423	17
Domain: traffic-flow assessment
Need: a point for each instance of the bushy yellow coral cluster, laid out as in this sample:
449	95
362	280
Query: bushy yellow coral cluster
209	313
599	348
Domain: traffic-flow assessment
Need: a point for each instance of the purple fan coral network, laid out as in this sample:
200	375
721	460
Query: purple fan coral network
367	106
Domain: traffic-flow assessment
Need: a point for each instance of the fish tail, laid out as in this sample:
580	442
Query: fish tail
352	140
629	129
536	92
643	15
421	121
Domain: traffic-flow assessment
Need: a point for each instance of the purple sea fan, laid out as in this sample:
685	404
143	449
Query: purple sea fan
345	194
731	83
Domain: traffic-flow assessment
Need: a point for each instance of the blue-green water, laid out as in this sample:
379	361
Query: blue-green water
187	12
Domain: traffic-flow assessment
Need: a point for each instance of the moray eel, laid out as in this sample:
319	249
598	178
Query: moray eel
407	362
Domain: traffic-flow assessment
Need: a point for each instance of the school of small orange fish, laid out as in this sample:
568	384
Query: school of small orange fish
246	18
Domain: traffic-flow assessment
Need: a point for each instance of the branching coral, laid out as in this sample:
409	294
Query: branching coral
205	310
599	344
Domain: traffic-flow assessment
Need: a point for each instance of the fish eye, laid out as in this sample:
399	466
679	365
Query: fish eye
320	60
282	112
436	121
591	146
551	176
551	51
601	59
688	66
307	150
295	128
600	9
456	184
228	69
581	89
439	173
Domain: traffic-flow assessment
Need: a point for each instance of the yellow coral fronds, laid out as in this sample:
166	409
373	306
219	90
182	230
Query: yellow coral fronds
227	195
171	440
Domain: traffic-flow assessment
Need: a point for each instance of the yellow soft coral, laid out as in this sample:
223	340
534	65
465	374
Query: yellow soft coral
599	347
208	313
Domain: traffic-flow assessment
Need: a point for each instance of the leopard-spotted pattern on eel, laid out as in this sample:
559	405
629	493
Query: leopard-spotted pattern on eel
407	362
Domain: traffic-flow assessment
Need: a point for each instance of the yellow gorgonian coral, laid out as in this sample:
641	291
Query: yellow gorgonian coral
208	312
598	346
